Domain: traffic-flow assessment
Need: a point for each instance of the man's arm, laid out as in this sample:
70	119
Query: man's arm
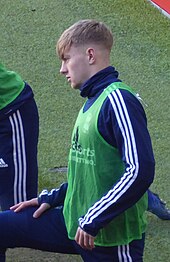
44	201
55	197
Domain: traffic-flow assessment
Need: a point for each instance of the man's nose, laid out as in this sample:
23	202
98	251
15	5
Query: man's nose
63	68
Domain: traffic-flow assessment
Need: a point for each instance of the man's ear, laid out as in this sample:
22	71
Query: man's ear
91	55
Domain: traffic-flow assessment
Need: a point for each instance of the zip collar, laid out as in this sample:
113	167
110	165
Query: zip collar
99	81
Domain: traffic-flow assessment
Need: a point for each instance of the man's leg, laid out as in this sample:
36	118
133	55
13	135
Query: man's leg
46	233
30	121
18	155
132	252
157	206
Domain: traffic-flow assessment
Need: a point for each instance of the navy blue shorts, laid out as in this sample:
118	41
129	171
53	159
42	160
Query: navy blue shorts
18	155
48	233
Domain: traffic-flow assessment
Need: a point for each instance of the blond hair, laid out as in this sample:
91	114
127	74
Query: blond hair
85	32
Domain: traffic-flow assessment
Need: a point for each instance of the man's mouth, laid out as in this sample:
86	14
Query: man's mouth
68	78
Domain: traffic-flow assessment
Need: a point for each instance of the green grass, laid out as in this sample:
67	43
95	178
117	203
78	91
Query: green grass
28	33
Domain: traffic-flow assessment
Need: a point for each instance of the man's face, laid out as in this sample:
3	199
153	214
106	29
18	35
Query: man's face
75	66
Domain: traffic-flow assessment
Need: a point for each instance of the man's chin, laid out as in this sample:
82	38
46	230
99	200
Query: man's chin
75	86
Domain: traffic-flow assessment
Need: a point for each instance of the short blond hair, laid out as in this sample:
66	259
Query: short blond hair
85	32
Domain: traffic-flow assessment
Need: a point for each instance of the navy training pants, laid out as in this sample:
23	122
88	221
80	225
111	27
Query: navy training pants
49	233
18	155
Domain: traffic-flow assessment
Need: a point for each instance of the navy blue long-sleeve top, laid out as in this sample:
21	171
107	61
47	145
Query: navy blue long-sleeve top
122	123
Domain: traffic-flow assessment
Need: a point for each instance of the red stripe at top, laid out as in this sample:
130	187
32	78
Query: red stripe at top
163	4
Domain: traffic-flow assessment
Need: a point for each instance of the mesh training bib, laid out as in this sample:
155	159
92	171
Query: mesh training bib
11	86
94	167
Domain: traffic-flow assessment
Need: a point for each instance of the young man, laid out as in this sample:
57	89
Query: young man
100	212
19	126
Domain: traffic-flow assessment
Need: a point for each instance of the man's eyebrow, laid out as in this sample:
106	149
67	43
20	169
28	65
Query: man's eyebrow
65	56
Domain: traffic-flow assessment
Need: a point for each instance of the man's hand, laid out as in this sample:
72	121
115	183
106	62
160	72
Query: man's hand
85	240
33	202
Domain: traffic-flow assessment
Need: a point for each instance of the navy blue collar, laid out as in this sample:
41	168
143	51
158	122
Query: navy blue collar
99	81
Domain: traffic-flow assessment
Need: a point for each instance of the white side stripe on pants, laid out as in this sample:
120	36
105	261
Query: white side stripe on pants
19	157
123	254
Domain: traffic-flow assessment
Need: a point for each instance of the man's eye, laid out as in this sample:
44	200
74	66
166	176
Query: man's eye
65	59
